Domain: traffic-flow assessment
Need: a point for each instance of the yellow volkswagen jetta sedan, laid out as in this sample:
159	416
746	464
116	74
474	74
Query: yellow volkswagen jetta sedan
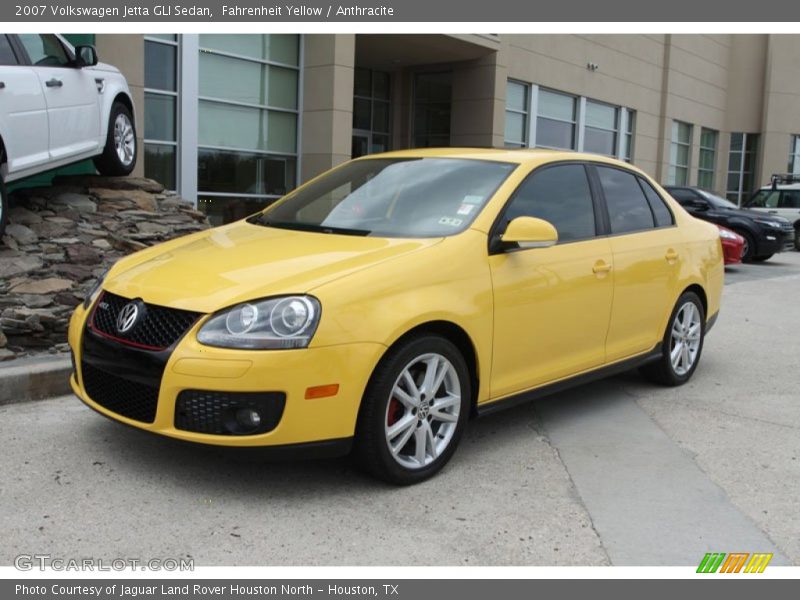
379	306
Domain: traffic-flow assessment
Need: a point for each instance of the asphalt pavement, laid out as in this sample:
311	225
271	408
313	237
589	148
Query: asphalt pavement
617	472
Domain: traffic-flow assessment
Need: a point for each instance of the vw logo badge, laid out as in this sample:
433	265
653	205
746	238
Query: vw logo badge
127	317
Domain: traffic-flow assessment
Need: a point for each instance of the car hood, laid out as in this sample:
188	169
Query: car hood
243	261
750	214
101	66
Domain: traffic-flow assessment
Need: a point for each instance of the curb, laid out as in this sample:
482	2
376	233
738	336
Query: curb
35	379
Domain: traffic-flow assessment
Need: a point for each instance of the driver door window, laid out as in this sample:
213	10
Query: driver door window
45	50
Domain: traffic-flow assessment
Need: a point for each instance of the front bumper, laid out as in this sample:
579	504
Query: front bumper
189	365
773	240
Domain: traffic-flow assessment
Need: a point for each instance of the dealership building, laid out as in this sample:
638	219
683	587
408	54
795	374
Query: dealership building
235	121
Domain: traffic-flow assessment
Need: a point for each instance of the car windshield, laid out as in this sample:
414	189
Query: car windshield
400	197
717	201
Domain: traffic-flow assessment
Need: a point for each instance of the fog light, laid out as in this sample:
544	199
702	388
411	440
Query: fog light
248	418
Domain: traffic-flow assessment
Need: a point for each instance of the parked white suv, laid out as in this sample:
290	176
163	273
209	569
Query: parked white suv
58	106
782	198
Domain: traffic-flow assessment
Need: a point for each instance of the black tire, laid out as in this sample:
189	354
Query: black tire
762	258
749	251
662	370
797	238
3	205
371	444
109	162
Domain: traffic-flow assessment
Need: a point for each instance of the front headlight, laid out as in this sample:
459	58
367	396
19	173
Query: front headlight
727	235
270	324
768	223
87	301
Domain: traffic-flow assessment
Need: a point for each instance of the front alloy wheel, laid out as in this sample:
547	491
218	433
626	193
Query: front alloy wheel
422	412
682	343
414	411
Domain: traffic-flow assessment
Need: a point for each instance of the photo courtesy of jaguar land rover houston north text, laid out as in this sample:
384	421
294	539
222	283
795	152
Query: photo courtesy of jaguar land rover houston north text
379	306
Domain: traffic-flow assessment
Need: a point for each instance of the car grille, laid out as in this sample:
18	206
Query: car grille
215	412
119	395
159	328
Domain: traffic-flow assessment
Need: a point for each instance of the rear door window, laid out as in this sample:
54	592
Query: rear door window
628	208
661	211
790	199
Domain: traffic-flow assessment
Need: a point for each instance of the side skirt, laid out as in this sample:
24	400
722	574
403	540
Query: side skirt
565	384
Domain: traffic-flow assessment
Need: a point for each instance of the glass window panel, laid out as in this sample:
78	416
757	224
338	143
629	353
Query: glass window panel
277	48
706	160
734	161
44	50
159	117
362	82
517	96
556	106
601	116
682	132
233	79
220	209
380	143
662	213
244	173
560	195
380	116
515	128
708	138
282	131
628	208
362	113
705	180
282	87
7	56
600	141
160	66
555	134
159	164
752	143
733	182
170	37
681	155
737	141
232	126
380	85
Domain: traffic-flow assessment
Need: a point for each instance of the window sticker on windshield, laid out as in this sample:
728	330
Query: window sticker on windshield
450	221
465	209
469	199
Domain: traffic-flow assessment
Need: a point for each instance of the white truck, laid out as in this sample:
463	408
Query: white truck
59	105
780	198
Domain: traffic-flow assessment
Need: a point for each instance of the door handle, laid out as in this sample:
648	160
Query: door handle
601	266
671	256
54	82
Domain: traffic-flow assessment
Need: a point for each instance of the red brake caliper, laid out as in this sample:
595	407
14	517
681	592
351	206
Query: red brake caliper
395	412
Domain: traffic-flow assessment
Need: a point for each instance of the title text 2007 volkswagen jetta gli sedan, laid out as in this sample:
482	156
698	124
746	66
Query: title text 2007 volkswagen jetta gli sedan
383	303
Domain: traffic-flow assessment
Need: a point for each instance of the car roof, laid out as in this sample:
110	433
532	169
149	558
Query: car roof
529	156
785	186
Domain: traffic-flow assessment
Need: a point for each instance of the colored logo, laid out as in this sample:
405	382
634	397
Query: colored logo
736	562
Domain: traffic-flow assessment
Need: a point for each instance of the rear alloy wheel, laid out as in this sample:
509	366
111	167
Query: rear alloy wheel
414	411
120	152
682	343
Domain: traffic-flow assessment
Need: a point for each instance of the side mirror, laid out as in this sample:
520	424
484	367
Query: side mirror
698	205
530	232
85	56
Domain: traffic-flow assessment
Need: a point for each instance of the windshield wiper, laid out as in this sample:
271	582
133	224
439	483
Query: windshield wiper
310	227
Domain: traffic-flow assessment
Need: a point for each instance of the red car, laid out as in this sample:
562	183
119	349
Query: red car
732	245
